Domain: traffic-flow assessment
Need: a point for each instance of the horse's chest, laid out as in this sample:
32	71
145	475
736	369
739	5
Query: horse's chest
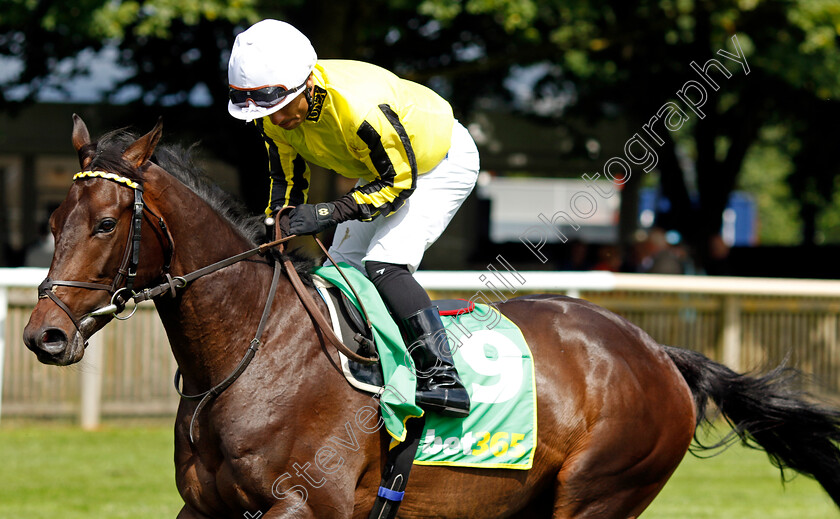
215	484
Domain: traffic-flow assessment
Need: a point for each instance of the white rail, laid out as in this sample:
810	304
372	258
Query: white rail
564	281
13	278
609	281
490	284
21	277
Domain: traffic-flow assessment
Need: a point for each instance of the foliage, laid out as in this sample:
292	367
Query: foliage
766	169
43	34
607	60
625	60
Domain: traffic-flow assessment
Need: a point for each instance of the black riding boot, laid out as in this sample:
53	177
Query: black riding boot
439	388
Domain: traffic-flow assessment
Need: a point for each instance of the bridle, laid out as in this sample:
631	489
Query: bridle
124	279
128	271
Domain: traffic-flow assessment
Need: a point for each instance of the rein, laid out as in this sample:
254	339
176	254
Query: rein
303	294
309	303
128	271
205	397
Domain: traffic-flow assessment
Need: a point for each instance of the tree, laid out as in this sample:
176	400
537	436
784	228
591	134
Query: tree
175	47
629	58
607	59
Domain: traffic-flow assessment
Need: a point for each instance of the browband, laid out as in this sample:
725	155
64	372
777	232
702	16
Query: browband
108	176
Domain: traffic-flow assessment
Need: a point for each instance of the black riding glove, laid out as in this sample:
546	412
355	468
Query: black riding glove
311	219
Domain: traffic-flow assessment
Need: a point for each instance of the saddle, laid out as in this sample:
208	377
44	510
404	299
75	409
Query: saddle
351	327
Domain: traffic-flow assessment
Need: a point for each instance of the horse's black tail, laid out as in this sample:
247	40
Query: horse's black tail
769	413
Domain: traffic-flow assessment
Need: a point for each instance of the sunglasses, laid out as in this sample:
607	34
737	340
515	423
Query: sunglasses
265	97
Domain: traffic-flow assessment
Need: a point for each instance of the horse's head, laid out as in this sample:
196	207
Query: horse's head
99	230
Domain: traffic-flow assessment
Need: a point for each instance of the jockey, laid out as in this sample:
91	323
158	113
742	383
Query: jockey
415	164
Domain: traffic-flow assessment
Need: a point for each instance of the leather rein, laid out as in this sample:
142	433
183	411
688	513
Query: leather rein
128	271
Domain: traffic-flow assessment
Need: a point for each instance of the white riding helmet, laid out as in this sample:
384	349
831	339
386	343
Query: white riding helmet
268	68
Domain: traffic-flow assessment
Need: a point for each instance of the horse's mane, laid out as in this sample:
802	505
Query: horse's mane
179	162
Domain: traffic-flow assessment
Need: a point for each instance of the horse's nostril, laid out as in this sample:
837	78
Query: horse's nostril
53	340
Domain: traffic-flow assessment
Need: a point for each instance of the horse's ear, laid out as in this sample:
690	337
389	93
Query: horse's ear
81	141
141	150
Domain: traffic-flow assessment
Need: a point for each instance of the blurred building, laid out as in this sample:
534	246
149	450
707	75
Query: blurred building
37	163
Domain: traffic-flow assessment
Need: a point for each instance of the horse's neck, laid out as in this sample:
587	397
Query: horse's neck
212	321
201	236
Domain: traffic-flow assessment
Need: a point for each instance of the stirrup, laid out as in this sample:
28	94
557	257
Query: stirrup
454	403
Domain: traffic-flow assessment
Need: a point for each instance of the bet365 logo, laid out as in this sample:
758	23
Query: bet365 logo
498	444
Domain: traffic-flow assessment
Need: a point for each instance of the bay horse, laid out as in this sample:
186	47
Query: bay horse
616	410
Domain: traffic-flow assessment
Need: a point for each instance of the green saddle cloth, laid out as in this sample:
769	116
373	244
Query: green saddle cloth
495	365
397	400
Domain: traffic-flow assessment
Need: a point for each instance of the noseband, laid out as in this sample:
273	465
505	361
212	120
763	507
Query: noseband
128	266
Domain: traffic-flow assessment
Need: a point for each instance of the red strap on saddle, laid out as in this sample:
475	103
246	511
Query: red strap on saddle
466	308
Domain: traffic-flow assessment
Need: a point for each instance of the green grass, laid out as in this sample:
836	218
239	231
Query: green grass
739	484
126	471
59	471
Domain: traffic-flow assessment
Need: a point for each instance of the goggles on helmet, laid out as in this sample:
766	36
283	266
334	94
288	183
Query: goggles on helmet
265	97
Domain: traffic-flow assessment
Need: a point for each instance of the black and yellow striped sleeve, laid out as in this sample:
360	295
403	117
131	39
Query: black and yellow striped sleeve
289	174
391	158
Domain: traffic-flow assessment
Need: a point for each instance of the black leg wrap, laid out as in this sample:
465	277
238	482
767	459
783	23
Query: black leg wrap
397	468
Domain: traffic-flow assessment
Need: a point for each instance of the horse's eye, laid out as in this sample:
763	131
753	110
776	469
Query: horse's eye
107	225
